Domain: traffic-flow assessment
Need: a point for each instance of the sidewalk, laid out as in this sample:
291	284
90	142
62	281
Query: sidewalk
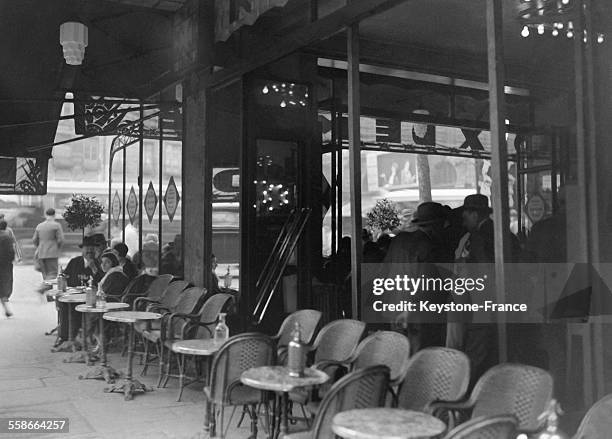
36	383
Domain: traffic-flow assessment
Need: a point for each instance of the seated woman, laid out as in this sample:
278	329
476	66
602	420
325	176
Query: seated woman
114	281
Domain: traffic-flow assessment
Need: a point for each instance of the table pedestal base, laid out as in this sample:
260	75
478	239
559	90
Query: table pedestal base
128	388
105	373
67	346
82	357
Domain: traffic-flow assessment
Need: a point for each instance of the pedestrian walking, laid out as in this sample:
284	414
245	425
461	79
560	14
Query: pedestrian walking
48	238
7	254
16	246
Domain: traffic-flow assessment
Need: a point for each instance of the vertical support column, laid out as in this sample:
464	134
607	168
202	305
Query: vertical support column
140	178
593	193
194	192
499	159
355	165
123	196
159	192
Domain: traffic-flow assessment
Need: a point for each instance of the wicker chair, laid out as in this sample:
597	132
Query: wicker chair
434	374
308	320
156	289
170	329
193	328
507	389
334	345
597	423
497	427
237	355
162	301
363	388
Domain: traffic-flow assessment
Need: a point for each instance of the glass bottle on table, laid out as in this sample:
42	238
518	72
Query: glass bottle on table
296	360
221	330
61	280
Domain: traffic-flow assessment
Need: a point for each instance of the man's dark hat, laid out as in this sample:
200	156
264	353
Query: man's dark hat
429	212
99	239
477	202
88	240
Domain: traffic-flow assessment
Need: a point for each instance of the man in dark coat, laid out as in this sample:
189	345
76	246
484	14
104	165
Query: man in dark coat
475	256
422	251
78	271
7	254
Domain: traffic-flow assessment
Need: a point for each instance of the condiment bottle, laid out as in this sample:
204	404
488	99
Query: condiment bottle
221	330
296	360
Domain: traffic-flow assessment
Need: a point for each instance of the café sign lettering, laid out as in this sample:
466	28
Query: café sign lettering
230	15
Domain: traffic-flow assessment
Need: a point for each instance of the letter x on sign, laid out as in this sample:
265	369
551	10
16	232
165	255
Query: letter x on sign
471	140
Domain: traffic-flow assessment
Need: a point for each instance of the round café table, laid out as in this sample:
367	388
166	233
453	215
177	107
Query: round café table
102	371
386	423
203	347
70	345
53	293
129	385
277	379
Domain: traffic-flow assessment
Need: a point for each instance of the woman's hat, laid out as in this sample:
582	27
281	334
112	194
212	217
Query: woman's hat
429	212
111	256
477	202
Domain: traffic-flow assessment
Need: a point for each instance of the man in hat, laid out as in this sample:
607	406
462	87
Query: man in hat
78	272
48	238
477	340
421	250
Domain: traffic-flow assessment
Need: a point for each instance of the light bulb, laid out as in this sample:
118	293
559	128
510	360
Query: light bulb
570	25
525	32
565	2
283	104
265	90
555	33
560	25
600	38
570	34
541	29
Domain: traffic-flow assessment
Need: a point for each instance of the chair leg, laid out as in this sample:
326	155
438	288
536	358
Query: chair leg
160	355
180	361
221	419
306	416
212	419
253	414
146	359
266	418
168	366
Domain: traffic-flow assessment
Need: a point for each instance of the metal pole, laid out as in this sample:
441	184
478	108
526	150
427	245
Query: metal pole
123	197
499	160
355	165
140	180
592	200
161	167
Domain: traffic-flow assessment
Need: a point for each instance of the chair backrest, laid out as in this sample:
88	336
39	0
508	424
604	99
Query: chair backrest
172	293
210	310
434	373
517	389
188	300
338	339
239	353
158	286
495	427
308	320
363	388
137	286
597	423
386	348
